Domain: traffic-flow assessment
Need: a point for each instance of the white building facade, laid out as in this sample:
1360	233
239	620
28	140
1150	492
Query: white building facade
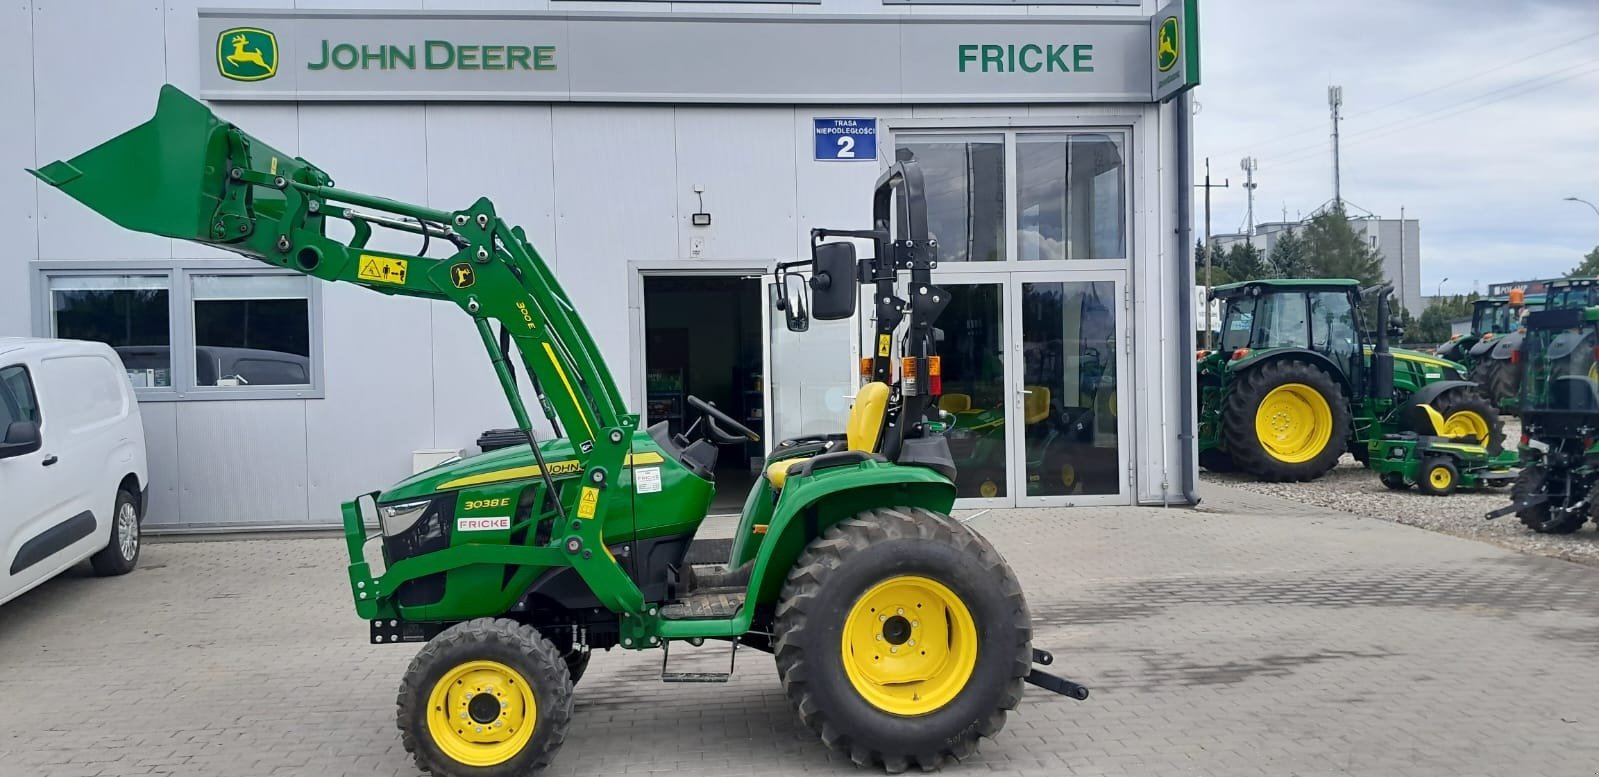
1053	139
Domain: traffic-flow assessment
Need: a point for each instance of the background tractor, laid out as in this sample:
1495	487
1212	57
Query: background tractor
1491	360
1491	318
900	635
1558	488
1296	382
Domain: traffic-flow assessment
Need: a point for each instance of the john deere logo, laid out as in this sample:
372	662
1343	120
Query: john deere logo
247	54
462	276
1169	50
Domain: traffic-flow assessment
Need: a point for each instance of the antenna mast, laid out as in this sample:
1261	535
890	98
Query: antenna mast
1335	101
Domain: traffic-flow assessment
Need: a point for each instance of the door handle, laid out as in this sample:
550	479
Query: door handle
51	459
1024	392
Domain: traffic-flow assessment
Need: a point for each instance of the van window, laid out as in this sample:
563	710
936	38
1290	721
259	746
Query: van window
17	400
83	391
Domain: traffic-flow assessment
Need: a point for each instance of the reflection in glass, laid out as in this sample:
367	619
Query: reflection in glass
1069	348
965	180
251	330
974	388
127	312
1071	197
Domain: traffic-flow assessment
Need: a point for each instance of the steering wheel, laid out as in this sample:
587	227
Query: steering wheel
715	417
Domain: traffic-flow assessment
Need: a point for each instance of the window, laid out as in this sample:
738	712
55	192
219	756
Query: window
1025	195
1332	322
193	329
1282	322
17	400
1071	203
251	330
965	180
130	313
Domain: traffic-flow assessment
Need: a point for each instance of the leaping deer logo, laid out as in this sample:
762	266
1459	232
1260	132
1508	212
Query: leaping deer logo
247	54
1166	52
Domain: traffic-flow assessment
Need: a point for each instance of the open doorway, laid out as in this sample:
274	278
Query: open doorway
702	336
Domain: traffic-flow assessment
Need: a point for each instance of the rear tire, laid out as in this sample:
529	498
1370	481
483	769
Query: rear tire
895	707
1465	410
1532	482
1291	451
1495	379
527	687
121	553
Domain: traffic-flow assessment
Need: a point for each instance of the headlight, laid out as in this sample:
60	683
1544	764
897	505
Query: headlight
396	519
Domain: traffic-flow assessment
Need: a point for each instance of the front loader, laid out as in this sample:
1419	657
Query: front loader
901	636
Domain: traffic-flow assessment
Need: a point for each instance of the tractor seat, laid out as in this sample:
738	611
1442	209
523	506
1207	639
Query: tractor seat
864	432
1035	407
955	403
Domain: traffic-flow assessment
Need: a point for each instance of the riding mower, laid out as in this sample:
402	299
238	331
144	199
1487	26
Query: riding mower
1296	382
1557	490
901	636
1437	464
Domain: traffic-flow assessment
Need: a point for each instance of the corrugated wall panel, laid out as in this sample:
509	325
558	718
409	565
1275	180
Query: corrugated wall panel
161	449
18	195
743	158
243	462
615	170
377	350
503	152
97	76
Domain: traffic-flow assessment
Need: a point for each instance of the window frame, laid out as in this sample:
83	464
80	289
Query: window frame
1125	128
177	274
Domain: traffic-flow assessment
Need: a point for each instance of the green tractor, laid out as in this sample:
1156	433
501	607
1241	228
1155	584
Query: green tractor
900	635
1491	361
1491	319
1295	382
1557	490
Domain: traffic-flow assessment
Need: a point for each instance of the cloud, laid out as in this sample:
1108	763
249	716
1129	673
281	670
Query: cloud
1483	163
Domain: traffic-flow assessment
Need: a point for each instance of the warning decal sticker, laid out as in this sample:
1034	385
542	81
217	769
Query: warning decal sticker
381	269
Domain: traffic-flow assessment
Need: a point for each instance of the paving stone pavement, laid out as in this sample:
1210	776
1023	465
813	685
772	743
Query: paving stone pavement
1253	636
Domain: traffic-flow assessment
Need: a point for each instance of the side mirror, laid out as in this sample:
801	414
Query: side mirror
22	437
793	299
833	281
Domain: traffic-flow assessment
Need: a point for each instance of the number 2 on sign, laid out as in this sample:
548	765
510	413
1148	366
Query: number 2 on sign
846	147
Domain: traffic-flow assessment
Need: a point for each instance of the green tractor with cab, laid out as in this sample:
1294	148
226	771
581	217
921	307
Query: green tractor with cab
1491	320
1492	359
1296	381
900	634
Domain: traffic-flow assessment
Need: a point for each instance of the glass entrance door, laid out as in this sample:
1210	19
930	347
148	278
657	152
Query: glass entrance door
1068	342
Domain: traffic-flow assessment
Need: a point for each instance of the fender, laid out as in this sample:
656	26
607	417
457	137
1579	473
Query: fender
811	505
1506	345
1235	368
1481	348
1426	394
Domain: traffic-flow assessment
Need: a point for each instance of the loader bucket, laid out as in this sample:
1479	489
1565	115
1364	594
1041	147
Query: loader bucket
169	175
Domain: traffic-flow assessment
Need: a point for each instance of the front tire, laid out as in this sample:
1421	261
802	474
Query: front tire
1438	476
485	698
902	638
1394	480
1286	421
121	554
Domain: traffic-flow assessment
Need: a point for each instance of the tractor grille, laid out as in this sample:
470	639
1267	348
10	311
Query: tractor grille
430	533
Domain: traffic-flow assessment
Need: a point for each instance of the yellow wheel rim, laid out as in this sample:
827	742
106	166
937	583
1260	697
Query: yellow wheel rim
909	645
1294	423
1068	475
1466	423
481	713
1440	478
988	488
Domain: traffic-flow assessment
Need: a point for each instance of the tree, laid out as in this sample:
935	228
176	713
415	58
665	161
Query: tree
1218	267
1589	267
1290	258
1336	250
1433	326
1244	262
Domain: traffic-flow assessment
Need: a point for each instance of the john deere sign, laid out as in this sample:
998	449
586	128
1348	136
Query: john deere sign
784	58
1174	39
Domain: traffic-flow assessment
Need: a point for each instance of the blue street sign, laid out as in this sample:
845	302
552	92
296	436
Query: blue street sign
846	140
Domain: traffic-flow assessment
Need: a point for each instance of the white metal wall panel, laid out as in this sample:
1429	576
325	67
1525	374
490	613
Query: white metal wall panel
243	462
18	195
836	194
95	76
615	172
161	449
742	157
377	349
503	152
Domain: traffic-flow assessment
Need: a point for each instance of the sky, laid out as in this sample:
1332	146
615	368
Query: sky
1478	117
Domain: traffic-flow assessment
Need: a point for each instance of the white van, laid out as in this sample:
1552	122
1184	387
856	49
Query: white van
73	481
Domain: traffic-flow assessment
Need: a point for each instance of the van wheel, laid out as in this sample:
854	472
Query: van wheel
121	554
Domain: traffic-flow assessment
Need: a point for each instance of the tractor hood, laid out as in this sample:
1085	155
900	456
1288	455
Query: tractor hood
513	463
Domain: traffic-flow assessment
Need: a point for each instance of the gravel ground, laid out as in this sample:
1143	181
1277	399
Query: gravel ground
1352	488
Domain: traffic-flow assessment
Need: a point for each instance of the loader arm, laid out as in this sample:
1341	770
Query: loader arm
190	175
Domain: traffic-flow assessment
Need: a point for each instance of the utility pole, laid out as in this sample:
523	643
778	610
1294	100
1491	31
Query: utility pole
1210	250
1403	300
1250	165
1335	101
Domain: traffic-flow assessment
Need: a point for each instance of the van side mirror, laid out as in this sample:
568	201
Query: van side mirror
22	437
833	286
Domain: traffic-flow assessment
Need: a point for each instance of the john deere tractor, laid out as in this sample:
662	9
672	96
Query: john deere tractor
1491	359
1491	320
900	635
1296	382
1557	490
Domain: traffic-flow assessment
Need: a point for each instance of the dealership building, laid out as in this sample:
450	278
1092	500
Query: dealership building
662	157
